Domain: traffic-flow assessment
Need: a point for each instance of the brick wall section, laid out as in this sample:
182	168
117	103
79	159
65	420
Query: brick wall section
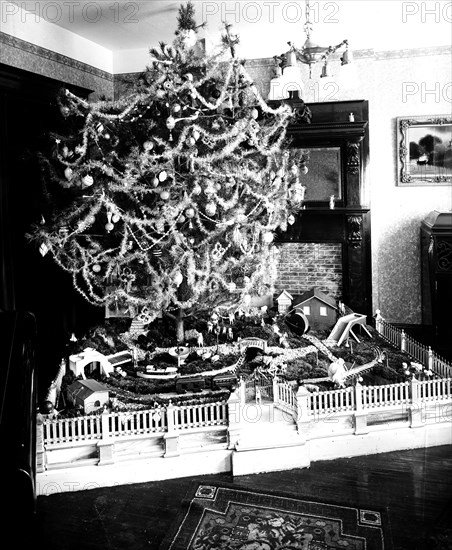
302	266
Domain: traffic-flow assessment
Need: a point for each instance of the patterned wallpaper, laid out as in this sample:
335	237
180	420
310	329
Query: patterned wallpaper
29	57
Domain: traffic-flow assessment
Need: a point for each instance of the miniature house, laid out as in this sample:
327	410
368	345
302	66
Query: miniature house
88	394
284	301
320	309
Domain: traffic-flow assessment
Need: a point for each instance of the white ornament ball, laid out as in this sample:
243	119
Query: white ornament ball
197	190
170	122
96	268
211	208
163	175
178	278
190	212
268	237
148	145
189	77
218	186
291	219
87	181
294	169
68	172
255	113
155	182
115	218
182	218
191	141
196	135
176	108
109	226
232	287
164	195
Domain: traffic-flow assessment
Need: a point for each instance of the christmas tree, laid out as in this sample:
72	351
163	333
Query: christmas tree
169	198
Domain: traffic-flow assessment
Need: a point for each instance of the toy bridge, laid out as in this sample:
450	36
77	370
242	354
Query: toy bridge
341	374
344	327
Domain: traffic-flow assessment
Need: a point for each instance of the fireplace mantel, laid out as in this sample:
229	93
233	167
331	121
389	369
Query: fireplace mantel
348	223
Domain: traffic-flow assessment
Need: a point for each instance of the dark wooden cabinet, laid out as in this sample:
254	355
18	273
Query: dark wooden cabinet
348	223
436	258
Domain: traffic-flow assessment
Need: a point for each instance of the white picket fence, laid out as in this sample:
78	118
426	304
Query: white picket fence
421	353
133	423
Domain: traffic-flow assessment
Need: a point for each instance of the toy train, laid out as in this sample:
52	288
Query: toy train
197	383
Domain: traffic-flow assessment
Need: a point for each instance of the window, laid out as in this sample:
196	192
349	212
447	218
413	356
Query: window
306	310
323	311
97	403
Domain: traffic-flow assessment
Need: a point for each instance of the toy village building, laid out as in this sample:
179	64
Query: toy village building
374	230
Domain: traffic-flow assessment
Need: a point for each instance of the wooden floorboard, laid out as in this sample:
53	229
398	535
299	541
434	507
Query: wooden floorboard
415	487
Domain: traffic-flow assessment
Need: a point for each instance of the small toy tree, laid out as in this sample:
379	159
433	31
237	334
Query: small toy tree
169	198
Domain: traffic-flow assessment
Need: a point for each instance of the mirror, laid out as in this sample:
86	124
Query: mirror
323	178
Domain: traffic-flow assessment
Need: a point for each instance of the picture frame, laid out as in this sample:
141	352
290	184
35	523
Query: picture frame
424	150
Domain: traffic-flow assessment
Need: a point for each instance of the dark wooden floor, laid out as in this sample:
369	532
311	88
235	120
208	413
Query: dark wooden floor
415	487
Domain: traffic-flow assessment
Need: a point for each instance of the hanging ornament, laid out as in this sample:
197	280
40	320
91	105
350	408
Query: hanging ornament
189	77
157	252
99	127
64	109
79	149
211	208
254	113
218	186
196	135
232	286
87	181
294	170
43	249
164	195
178	278
109	226
191	141
148	145
197	189
304	169
176	108
170	122
291	219
155	181
163	175
96	268
68	172
190	212
115	218
63	231
237	236
181	218
268	237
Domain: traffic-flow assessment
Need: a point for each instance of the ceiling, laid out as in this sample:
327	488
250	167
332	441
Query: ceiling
264	27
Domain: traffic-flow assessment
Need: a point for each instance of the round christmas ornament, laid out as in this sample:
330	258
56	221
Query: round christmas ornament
170	122
197	189
99	127
254	113
163	175
189	77
196	135
191	141
96	268
155	182
115	218
181	218
211	208
232	287
268	237
176	108
148	145
178	278
68	172
87	181
164	195
190	212
109	226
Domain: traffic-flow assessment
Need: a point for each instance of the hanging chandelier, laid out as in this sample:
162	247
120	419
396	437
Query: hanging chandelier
310	53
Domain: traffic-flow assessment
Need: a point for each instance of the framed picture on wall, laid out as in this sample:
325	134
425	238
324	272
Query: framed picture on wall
424	150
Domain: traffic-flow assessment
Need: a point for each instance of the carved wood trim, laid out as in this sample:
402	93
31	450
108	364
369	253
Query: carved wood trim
354	235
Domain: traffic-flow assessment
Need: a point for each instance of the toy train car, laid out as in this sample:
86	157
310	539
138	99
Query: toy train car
198	383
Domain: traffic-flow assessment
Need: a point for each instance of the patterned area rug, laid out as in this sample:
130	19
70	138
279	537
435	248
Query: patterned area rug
230	518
